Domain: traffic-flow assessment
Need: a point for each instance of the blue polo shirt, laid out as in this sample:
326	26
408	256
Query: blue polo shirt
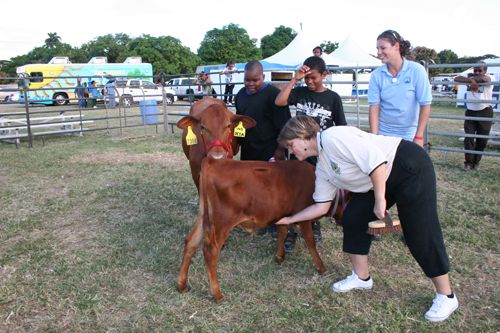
399	98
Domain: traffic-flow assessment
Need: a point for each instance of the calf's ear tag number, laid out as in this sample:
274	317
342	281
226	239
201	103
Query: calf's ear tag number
239	131
191	137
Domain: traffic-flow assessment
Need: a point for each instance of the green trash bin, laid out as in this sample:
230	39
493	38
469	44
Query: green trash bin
149	112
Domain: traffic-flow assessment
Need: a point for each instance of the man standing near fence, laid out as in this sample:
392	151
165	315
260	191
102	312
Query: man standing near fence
79	92
228	73
478	96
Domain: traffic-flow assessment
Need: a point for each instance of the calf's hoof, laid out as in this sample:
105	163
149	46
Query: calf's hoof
321	270
182	288
279	260
218	298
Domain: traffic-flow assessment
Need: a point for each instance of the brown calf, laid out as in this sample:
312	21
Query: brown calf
250	195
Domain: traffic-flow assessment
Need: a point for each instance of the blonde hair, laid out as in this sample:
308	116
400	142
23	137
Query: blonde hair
299	127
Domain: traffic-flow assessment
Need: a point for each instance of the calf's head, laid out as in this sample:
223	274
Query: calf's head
213	128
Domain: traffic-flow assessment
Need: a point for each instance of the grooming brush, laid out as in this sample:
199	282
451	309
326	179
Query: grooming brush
384	226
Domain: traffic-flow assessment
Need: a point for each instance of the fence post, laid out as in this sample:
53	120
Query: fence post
426	135
28	124
165	111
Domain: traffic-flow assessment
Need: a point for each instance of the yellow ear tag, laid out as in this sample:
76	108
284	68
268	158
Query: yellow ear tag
239	131
191	137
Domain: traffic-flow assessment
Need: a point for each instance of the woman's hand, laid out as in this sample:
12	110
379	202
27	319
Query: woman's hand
419	141
378	179
380	208
284	221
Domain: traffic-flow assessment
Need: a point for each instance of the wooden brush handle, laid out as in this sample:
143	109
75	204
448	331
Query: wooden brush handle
381	224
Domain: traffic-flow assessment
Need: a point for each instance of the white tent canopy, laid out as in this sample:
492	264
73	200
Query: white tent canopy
300	48
349	53
294	54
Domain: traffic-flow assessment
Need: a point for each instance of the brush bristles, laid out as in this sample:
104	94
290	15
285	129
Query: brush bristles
377	228
384	230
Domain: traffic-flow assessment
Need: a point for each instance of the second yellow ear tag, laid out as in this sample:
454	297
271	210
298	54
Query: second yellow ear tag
191	137
239	131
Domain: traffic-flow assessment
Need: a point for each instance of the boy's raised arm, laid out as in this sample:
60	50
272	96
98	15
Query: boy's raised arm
282	98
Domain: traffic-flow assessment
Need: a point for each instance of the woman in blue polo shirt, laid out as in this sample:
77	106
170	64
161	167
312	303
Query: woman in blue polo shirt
399	93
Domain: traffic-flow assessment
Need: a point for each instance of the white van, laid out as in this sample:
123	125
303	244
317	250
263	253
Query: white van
185	87
136	90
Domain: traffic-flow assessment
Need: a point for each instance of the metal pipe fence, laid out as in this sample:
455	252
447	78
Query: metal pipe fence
73	118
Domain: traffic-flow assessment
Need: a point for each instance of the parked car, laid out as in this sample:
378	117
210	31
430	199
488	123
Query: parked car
9	93
132	91
185	87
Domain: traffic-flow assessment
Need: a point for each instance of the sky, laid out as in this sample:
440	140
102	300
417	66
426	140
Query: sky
468	28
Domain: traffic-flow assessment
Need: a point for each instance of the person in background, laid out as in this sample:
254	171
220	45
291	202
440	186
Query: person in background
229	78
85	94
399	92
315	100
79	91
379	171
94	95
318	51
478	105
111	92
206	84
256	100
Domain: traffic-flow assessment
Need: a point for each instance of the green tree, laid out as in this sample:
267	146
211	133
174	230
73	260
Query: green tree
447	57
115	48
328	47
53	40
422	53
277	41
230	42
471	60
165	53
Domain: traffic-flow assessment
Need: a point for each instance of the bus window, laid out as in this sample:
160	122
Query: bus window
36	77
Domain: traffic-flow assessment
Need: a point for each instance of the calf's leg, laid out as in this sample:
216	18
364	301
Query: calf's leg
307	233
211	251
191	244
280	254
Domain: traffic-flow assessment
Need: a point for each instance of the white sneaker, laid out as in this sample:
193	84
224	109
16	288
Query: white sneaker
352	282
442	307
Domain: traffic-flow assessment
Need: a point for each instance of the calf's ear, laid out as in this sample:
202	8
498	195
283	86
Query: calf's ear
186	121
247	121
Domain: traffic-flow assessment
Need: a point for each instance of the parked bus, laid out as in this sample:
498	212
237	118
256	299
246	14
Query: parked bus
55	82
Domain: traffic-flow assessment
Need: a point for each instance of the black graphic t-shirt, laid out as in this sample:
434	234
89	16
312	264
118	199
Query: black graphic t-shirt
325	107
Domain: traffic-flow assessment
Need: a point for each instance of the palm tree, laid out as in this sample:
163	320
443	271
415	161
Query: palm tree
53	40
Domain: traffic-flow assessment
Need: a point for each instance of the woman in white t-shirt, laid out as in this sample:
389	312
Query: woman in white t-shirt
380	171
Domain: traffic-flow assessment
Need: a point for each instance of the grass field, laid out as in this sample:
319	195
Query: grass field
91	237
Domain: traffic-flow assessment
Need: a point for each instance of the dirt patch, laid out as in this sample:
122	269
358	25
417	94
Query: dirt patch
78	234
116	158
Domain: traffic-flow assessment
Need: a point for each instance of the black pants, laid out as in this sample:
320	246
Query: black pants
476	127
412	187
228	93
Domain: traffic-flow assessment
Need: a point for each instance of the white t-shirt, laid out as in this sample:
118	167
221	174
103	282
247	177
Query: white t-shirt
484	93
347	157
229	74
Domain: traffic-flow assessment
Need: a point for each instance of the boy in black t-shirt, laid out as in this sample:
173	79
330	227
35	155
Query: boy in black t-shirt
314	100
256	100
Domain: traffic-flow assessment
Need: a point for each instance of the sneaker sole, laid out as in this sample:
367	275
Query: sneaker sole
345	291
434	319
